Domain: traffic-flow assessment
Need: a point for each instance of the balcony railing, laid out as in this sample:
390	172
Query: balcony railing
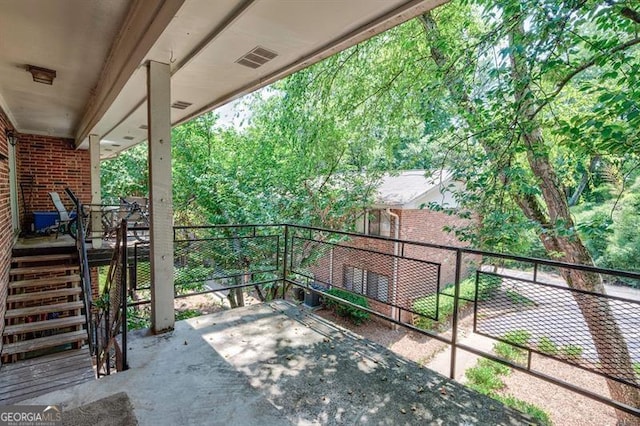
523	303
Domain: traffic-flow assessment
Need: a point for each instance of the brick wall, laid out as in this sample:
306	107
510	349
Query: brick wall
95	283
415	278
6	236
48	164
426	226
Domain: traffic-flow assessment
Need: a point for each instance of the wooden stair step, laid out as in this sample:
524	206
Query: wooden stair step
45	258
44	309
43	325
36	295
37	282
43	342
42	269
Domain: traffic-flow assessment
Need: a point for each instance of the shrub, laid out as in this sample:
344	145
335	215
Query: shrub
487	285
546	346
190	279
519	299
484	379
517	337
356	315
425	307
509	352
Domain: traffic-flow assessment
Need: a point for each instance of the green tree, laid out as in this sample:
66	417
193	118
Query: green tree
541	48
125	175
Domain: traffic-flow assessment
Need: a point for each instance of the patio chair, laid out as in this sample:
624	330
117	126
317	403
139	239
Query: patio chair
64	218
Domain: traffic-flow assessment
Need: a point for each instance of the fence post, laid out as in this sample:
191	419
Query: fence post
454	319
284	260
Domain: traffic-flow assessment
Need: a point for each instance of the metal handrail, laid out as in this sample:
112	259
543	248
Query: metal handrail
85	275
288	273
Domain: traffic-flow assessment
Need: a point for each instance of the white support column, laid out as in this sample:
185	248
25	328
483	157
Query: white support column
96	192
160	196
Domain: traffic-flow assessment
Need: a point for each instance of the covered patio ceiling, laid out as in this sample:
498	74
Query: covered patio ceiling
99	48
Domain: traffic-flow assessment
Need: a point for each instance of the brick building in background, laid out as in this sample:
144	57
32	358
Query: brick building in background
46	164
392	274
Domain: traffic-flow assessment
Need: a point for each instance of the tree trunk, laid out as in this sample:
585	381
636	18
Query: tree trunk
583	181
610	344
608	340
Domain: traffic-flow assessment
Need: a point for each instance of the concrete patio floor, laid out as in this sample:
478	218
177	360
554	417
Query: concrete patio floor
277	364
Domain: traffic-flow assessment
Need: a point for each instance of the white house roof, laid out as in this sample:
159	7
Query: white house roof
410	186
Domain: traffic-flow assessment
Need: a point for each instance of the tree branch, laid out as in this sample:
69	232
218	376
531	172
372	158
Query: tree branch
584	66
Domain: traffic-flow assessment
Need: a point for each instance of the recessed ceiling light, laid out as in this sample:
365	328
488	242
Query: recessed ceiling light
144	126
128	138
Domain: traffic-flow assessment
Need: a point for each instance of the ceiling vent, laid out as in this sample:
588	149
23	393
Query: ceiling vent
144	126
181	105
127	138
257	57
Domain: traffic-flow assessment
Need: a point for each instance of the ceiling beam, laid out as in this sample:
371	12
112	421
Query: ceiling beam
145	22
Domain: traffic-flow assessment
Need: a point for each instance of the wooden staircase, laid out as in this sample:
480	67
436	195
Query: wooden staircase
44	306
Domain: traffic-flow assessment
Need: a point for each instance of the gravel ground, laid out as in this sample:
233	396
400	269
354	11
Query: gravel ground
564	407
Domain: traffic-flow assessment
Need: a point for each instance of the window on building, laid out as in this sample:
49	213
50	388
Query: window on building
367	283
374	222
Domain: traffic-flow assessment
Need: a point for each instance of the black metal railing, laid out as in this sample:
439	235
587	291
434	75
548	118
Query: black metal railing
85	273
519	302
110	313
210	259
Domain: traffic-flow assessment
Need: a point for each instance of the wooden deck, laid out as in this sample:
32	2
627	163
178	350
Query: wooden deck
37	376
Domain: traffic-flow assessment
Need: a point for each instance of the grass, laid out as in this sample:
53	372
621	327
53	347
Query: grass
546	346
103	271
572	352
510	352
426	306
187	313
486	378
518	337
537	413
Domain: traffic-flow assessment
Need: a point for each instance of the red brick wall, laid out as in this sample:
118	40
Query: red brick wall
95	283
427	227
48	164
415	278
6	236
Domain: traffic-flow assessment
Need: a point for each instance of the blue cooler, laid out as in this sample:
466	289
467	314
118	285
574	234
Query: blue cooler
43	220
